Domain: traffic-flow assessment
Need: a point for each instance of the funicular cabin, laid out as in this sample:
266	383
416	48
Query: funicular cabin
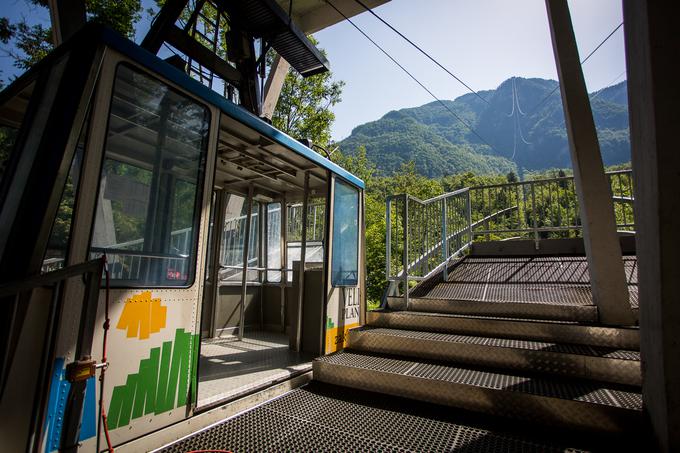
235	253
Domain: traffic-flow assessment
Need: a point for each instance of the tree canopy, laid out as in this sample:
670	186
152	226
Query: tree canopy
304	107
28	42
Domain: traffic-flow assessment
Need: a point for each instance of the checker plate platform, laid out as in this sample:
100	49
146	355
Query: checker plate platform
321	417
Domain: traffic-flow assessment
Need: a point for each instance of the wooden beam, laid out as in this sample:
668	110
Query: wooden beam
603	250
165	20
273	85
188	45
67	17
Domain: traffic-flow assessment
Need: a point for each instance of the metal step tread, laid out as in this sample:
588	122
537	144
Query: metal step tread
547	330
479	317
513	309
559	348
525	293
572	389
534	269
319	417
492	318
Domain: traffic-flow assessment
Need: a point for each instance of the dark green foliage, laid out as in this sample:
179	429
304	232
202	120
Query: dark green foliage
440	145
31	41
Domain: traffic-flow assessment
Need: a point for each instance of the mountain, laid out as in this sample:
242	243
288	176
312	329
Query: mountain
520	126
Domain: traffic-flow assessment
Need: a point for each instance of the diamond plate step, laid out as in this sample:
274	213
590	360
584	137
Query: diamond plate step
456	303
574	403
497	327
577	361
323	418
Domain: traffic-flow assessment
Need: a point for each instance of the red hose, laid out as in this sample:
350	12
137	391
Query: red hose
107	323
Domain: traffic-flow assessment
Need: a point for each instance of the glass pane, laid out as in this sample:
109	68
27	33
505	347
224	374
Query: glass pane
55	255
273	241
316	221
7	137
345	263
147	216
12	114
233	240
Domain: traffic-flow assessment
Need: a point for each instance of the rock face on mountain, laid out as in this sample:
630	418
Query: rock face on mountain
522	130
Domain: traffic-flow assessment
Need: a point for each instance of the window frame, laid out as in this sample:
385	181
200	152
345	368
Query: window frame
200	186
339	180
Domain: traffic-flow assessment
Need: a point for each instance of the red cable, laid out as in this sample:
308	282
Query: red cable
209	451
107	322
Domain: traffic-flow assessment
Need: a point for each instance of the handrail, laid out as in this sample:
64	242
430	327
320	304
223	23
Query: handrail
441	227
419	240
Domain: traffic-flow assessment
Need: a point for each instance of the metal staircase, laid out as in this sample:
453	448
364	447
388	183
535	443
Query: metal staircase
510	335
550	372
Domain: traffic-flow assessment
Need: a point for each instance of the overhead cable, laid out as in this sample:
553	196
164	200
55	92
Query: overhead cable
465	123
420	50
584	60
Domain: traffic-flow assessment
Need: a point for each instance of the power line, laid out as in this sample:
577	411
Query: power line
413	77
603	41
584	60
598	92
419	49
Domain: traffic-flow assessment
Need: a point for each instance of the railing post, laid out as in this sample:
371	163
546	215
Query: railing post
388	238
469	217
246	252
445	248
405	220
533	211
303	264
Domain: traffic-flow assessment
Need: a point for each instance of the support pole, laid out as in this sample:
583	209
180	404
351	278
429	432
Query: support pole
603	250
67	17
273	85
405	257
301	273
284	259
652	43
165	20
244	278
216	259
445	245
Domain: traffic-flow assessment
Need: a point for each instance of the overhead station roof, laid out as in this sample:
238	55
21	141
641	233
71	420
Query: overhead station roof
269	19
266	19
314	15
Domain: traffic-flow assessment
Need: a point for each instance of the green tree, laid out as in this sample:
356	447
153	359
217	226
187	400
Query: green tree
304	107
30	42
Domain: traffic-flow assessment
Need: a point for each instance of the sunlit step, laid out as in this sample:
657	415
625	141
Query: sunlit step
568	360
573	403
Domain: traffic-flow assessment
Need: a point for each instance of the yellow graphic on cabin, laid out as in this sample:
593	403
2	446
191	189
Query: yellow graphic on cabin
142	316
337	336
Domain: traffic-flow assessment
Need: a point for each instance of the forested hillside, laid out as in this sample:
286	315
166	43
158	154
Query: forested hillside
526	131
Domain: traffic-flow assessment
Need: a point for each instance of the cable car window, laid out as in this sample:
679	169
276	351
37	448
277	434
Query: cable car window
60	235
148	204
345	262
12	113
274	238
316	222
7	137
234	238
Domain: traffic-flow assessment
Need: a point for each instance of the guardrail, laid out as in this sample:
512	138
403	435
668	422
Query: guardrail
423	235
543	208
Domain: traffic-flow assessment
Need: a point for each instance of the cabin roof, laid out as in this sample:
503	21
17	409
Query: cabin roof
94	34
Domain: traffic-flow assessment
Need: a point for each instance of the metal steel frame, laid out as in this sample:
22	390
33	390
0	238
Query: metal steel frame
424	226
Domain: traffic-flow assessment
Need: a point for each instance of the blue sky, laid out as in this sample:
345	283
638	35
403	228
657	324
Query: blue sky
483	42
